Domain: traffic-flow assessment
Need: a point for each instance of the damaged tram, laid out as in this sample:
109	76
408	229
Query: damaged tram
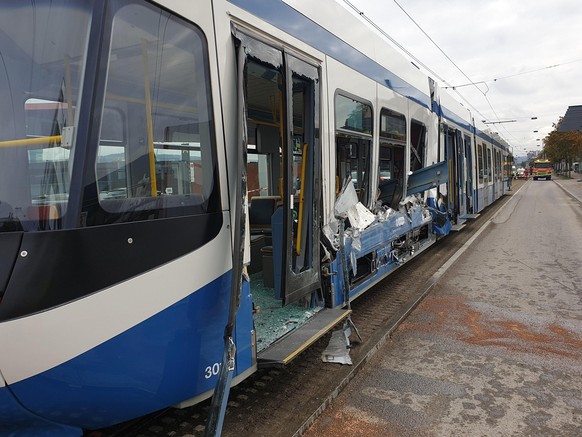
167	171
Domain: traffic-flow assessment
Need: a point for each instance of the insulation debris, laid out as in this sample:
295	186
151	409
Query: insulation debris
360	217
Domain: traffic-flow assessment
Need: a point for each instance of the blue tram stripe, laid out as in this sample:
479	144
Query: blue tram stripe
284	17
159	362
16	420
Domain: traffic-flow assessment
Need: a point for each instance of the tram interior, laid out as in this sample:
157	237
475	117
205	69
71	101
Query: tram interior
272	319
265	160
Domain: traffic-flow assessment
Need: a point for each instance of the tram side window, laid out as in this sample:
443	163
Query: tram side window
417	145
156	146
488	163
391	159
353	122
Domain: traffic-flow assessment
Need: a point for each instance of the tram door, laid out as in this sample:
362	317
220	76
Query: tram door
487	176
282	118
458	177
451	154
300	264
469	169
461	175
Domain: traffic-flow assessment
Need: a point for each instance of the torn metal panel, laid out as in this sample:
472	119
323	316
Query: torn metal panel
331	233
387	239
338	349
428	177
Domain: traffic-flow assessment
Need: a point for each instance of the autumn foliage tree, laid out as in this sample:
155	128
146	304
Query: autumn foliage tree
565	146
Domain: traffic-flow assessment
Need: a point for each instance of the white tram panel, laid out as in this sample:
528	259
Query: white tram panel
375	46
41	341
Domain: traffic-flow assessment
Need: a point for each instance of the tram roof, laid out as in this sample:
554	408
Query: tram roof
328	26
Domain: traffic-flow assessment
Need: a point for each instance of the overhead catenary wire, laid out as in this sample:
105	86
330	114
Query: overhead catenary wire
408	53
496	79
535	70
396	43
435	44
436	75
471	82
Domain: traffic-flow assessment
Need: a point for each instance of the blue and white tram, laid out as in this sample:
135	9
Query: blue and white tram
120	126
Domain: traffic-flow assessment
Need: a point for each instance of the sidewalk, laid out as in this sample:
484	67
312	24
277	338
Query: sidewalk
571	186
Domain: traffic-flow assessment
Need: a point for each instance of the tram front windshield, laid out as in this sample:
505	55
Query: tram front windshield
141	144
42	53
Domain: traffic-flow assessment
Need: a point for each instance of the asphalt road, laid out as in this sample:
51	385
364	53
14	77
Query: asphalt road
496	348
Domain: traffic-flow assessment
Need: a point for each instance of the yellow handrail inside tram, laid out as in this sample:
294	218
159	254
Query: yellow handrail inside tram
68	96
301	199
149	122
31	141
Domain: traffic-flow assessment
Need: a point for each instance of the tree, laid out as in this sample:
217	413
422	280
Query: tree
565	146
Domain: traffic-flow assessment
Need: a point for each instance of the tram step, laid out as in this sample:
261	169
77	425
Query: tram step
469	216
291	345
458	227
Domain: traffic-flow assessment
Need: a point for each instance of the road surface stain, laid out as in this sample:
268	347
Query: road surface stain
452	315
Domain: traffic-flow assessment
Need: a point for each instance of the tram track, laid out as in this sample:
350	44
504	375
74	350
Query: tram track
285	401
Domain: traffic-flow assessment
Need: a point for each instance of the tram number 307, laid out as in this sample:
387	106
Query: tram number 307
211	371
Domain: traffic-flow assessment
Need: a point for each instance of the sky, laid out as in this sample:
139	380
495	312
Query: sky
524	57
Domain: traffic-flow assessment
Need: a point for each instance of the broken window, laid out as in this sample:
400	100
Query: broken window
353	144
391	159
417	145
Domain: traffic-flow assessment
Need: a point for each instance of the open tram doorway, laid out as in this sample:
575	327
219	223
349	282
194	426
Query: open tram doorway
281	95
469	166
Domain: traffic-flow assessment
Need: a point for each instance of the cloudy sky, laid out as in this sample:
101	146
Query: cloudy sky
524	56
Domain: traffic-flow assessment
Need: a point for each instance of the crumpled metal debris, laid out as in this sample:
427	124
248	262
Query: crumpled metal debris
338	349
